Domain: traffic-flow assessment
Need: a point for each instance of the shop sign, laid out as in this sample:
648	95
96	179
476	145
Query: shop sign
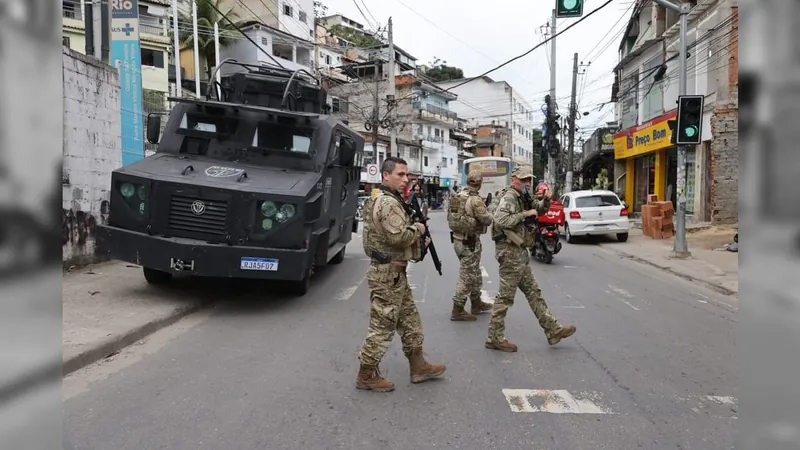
647	137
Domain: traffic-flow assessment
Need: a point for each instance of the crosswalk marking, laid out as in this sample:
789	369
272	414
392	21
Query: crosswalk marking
722	400
484	273
551	401
486	297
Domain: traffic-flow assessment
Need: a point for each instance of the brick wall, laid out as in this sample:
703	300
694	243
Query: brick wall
92	149
725	141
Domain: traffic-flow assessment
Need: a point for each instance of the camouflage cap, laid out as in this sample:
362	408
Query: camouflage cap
522	172
474	178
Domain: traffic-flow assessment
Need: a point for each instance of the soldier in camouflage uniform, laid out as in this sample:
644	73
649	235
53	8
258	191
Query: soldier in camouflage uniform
467	244
511	239
391	240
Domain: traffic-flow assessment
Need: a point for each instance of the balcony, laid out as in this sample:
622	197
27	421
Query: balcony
435	114
152	27
72	15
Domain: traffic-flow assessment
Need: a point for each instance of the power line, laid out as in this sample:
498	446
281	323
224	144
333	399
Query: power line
608	2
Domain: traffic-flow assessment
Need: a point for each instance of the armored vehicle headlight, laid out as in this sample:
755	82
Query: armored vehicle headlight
288	210
266	224
142	193
127	190
268	209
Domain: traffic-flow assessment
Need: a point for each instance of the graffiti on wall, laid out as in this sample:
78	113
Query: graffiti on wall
78	227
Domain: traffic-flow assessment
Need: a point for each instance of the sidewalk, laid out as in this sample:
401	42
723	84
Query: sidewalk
109	306
717	269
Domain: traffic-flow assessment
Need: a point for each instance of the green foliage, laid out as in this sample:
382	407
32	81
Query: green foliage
206	18
350	36
601	182
320	10
438	70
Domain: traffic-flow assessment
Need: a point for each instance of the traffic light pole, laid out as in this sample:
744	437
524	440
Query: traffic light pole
681	249
573	110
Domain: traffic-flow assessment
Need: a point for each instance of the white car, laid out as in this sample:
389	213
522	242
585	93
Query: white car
595	213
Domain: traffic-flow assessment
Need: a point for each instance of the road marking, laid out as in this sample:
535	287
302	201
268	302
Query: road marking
484	273
424	290
551	401
570	267
625	293
348	292
575	307
485	297
722	400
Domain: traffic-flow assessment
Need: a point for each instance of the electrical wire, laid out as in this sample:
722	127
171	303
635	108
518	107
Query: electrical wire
586	16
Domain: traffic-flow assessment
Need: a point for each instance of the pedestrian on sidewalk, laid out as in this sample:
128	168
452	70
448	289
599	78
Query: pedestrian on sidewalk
390	240
468	219
511	237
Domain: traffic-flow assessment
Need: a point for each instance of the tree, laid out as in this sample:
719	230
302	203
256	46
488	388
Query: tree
438	70
320	10
350	36
206	17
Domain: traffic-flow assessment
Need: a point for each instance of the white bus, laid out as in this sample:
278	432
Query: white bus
496	173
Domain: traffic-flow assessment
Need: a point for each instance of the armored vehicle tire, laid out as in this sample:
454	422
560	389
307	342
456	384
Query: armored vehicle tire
339	256
156	277
301	287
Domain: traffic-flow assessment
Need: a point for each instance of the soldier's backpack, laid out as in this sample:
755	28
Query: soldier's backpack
456	214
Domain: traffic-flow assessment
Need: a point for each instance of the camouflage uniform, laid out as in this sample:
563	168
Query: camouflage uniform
391	240
468	249
515	271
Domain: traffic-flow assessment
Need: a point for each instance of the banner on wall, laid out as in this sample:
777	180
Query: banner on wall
126	56
646	138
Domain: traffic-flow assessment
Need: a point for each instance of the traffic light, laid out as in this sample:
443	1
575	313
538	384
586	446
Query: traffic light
690	120
569	8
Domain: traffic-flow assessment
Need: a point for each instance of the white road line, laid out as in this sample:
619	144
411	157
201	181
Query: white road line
348	292
551	401
575	307
722	400
625	293
570	267
486	297
484	273
424	290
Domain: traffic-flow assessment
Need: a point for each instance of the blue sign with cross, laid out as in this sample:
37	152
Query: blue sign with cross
127	58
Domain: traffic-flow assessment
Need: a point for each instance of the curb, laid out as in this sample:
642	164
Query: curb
116	343
716	287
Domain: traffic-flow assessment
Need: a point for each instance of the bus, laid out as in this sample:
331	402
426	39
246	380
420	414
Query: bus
496	173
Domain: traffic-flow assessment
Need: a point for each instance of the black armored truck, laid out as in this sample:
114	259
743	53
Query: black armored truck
256	180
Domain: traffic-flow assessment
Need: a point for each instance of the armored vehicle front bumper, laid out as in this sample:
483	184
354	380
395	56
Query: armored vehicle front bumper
200	258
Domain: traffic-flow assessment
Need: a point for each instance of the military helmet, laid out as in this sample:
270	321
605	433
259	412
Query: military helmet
474	178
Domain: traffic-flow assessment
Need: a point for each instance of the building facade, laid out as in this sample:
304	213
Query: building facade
597	154
484	100
292	17
646	93
288	50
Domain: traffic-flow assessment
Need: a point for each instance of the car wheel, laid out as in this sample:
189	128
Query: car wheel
570	237
156	277
622	237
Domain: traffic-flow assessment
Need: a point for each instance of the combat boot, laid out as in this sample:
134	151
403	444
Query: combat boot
370	379
480	307
422	370
563	333
503	346
461	315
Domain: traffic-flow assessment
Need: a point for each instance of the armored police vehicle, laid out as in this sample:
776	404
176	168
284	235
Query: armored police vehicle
254	181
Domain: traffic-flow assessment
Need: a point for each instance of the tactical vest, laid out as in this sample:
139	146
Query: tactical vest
457	213
374	235
519	232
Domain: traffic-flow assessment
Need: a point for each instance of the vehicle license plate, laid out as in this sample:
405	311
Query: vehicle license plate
265	264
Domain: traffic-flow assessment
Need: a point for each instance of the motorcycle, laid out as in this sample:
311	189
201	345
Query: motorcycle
547	243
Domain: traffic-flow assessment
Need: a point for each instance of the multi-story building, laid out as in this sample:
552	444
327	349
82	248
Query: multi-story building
154	40
293	17
275	45
646	93
484	100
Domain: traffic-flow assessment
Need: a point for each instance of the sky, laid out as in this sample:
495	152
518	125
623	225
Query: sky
476	36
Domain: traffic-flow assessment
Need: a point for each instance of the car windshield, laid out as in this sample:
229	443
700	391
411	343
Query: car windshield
594	201
274	136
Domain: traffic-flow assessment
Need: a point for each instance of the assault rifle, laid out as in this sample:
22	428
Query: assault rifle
418	217
527	203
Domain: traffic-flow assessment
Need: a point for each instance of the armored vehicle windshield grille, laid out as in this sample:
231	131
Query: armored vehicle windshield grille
198	215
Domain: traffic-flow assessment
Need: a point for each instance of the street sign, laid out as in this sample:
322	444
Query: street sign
372	174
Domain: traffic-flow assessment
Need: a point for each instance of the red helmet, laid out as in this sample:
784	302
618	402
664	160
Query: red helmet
541	189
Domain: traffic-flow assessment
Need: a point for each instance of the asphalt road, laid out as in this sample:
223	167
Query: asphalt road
651	367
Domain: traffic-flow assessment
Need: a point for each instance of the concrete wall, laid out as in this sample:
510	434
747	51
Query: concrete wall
92	149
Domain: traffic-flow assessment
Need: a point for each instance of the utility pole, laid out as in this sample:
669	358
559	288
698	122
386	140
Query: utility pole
390	97
551	162
376	106
573	110
681	250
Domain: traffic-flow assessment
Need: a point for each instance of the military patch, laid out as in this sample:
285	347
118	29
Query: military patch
395	222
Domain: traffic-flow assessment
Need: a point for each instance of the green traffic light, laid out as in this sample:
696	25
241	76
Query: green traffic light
570	4
690	132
